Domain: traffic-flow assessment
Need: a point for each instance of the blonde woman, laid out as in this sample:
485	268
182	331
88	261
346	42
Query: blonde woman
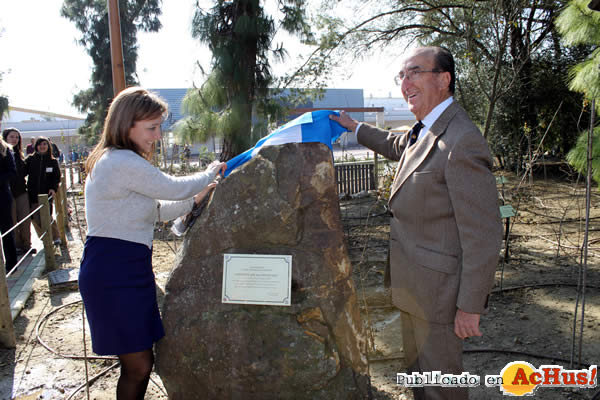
124	196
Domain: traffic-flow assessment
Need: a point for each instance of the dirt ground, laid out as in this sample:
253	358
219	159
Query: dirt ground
525	322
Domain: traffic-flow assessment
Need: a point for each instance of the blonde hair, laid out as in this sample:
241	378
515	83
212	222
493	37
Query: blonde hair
131	105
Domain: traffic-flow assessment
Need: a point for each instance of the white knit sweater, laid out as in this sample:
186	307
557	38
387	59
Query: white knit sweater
125	195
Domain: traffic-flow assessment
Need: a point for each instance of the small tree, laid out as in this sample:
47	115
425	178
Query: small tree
240	35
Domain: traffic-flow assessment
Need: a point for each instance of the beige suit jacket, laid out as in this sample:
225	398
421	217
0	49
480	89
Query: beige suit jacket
445	230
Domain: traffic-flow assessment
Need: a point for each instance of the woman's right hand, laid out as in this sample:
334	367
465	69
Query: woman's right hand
218	167
198	198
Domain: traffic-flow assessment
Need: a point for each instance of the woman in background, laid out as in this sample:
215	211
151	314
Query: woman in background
8	172
44	177
124	195
18	187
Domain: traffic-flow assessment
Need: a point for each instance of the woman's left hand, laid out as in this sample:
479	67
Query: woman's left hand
51	192
198	198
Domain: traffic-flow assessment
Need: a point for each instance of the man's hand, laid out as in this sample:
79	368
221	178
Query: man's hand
198	198
466	324
345	120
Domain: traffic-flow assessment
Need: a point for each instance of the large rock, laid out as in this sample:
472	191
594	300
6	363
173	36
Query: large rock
282	202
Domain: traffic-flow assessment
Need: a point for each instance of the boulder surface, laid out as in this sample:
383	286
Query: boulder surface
284	201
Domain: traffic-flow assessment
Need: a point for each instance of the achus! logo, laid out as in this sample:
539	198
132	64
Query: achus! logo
520	378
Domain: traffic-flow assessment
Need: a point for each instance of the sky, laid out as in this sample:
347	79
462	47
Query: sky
44	66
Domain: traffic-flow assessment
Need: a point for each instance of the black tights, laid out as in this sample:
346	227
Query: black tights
135	374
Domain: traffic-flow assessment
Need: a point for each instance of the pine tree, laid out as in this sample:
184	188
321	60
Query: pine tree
91	19
580	26
240	34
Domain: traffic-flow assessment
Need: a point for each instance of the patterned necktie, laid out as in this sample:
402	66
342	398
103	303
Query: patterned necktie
413	134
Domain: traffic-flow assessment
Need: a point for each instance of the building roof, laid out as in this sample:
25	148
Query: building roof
33	123
174	97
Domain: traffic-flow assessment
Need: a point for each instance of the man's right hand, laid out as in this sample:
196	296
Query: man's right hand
345	120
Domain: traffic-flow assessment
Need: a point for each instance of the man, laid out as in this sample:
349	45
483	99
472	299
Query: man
445	230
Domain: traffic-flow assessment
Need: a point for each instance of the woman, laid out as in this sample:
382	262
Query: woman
18	187
44	178
116	279
8	172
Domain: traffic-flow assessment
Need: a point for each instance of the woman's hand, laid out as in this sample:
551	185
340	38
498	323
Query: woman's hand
198	198
51	192
220	167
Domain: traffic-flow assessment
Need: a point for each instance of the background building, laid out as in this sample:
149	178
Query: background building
60	129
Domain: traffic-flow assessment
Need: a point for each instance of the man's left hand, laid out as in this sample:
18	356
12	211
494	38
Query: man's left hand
466	324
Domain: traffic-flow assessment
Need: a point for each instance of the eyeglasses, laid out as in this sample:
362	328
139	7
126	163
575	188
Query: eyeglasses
412	75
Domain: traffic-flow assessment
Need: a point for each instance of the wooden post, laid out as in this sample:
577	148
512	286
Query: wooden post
80	172
71	174
60	213
63	189
7	330
380	121
46	227
116	47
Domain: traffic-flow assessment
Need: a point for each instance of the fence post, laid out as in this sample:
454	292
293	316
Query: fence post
79	172
7	330
60	213
63	188
380	121
71	173
46	227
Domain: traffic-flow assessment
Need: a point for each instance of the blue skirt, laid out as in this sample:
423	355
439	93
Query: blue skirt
119	293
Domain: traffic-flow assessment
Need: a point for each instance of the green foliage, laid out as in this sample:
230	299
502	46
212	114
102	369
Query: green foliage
577	157
91	19
511	66
581	26
3	107
237	91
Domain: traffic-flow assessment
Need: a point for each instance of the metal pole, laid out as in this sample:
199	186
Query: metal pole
116	47
587	225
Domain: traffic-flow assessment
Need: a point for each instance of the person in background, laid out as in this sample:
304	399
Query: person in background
56	153
30	147
445	230
116	281
18	187
44	177
8	172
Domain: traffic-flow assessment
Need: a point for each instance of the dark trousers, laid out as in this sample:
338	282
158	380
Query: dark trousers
8	241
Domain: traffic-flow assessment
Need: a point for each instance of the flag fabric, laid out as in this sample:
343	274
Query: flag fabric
310	127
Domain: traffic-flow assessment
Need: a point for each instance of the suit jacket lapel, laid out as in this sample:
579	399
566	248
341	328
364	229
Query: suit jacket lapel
414	155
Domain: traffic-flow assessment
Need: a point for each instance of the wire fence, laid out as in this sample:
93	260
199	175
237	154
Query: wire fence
7	335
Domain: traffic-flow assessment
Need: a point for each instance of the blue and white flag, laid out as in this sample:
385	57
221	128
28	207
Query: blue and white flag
310	127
